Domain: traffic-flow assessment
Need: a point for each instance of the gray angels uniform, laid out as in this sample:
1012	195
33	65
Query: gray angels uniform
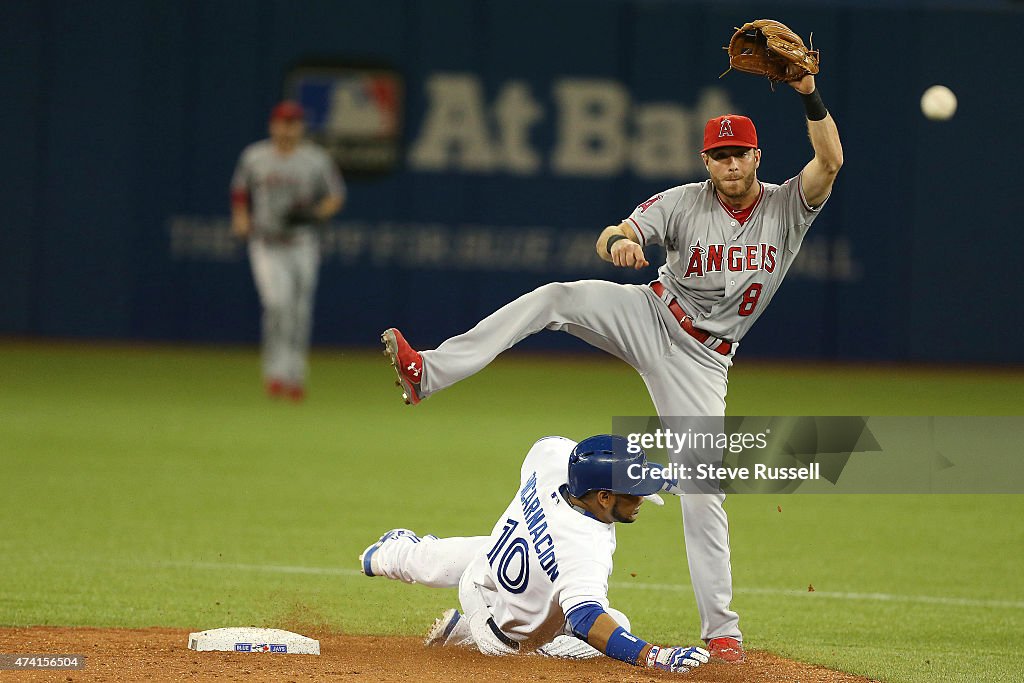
285	260
723	274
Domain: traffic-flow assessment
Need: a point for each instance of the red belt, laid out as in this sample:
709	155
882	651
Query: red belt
686	322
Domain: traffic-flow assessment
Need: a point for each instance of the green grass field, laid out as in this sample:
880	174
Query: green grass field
155	486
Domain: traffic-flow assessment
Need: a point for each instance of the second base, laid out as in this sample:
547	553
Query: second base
245	639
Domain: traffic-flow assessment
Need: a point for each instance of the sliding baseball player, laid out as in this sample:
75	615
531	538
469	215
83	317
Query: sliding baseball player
539	582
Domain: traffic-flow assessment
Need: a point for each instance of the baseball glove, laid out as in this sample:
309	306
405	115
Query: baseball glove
769	48
301	214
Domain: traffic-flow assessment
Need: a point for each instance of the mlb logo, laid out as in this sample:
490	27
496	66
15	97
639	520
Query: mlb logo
362	104
356	113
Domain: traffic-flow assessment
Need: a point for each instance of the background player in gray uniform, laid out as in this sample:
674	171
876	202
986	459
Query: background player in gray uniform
730	241
282	188
540	580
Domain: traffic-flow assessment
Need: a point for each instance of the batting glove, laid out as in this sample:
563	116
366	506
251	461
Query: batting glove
676	659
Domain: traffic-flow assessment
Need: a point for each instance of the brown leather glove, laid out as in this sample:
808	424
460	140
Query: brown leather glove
770	48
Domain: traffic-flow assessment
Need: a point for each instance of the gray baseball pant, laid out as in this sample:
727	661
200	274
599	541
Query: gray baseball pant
682	375
286	275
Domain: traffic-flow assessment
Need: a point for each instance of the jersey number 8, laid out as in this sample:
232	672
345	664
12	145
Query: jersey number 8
750	298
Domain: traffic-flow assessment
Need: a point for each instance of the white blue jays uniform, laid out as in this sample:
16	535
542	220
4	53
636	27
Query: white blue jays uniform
543	561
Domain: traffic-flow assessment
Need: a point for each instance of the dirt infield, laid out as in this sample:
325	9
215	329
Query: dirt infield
162	655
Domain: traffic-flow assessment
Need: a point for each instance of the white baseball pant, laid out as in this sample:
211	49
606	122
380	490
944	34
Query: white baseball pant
461	562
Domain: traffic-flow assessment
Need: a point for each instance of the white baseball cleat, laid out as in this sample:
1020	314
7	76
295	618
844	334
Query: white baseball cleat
366	563
442	628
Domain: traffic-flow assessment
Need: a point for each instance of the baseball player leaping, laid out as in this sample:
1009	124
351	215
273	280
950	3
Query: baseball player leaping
730	241
540	580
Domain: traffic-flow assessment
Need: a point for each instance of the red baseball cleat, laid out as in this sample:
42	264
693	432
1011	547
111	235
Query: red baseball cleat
275	388
297	393
726	650
406	361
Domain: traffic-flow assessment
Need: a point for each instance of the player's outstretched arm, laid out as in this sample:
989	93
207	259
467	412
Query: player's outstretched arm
619	244
601	631
820	172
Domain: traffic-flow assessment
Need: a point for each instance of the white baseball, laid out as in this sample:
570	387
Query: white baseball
938	103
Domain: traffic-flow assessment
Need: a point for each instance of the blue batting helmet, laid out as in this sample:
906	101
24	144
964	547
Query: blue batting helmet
608	462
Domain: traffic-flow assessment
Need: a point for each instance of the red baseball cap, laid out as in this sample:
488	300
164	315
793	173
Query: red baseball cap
729	130
287	110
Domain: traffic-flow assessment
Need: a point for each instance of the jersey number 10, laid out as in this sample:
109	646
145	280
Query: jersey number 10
514	557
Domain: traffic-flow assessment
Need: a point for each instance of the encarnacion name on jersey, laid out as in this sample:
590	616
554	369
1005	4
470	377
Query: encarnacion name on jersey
533	513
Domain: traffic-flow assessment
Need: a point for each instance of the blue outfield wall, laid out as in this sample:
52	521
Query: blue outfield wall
525	127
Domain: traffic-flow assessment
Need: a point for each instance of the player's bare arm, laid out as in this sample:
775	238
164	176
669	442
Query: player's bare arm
820	172
241	221
329	207
625	251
